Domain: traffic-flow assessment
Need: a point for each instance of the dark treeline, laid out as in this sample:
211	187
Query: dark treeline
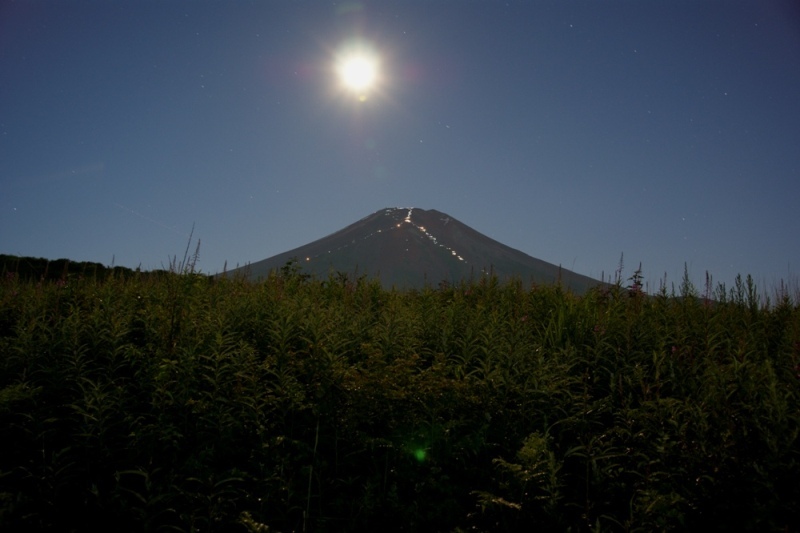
40	269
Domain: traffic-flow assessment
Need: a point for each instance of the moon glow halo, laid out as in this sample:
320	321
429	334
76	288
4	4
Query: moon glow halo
358	72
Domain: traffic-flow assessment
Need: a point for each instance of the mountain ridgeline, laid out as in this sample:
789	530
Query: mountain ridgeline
412	248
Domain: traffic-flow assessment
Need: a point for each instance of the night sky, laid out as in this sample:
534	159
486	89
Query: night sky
667	131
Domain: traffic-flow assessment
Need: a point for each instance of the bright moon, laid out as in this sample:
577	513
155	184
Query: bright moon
358	71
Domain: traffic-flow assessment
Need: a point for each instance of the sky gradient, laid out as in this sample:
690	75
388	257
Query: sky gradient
573	131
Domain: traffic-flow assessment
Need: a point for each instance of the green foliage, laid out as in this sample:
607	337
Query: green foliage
177	402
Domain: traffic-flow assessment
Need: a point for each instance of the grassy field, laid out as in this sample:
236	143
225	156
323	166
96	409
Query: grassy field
181	403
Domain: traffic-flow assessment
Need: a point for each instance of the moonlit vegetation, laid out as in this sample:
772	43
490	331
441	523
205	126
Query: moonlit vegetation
181	402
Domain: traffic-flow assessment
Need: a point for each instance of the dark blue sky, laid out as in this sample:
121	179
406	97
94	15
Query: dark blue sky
573	131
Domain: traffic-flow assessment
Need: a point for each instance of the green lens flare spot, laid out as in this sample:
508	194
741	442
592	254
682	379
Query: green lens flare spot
420	454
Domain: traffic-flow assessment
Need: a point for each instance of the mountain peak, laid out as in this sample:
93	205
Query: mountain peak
409	247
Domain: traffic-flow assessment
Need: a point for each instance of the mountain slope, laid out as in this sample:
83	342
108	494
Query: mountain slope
410	247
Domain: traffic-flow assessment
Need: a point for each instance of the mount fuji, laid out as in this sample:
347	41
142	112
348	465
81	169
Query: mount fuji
407	247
